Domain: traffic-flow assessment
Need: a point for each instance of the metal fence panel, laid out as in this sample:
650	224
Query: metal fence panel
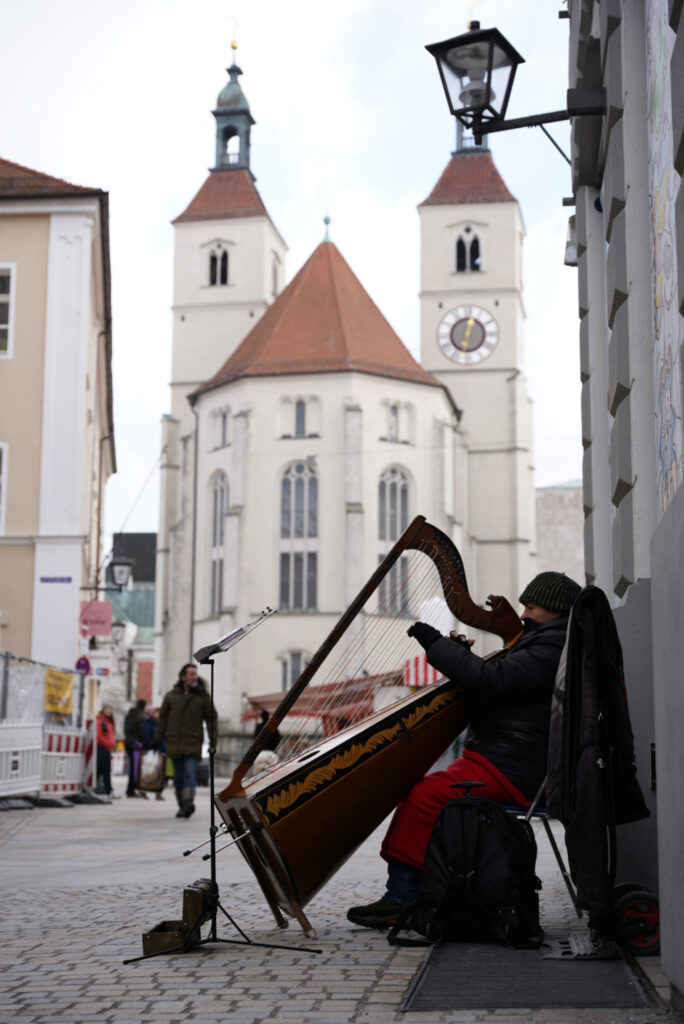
20	758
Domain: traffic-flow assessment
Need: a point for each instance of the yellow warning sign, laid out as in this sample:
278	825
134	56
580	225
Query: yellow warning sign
59	692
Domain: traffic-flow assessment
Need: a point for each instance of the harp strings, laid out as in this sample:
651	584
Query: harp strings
370	656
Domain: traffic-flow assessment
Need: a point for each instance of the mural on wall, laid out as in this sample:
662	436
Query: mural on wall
663	188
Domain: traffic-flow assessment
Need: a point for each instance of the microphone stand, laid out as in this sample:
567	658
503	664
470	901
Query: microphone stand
212	904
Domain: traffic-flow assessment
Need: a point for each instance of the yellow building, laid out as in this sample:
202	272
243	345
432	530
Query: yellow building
56	414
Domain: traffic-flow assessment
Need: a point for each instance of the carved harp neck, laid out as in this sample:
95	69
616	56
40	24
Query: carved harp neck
502	620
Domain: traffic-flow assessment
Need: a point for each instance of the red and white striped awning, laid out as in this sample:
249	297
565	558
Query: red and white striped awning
417	672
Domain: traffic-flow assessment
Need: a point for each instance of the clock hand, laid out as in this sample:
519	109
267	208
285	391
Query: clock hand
471	324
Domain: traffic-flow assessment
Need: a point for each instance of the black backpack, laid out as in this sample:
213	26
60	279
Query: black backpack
478	882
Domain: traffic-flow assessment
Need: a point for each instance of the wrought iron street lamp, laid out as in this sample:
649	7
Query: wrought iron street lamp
477	70
118	630
122	568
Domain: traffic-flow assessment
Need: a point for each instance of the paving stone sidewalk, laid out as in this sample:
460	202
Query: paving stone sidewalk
82	884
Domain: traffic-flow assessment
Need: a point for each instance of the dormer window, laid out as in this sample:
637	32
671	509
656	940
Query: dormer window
224	268
213	268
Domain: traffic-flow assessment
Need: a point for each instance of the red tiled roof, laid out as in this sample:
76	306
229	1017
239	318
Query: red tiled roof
225	194
323	322
16	180
470	178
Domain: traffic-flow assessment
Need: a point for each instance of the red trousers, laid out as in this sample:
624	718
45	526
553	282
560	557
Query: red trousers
411	827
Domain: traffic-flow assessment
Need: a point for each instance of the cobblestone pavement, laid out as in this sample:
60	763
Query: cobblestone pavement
82	884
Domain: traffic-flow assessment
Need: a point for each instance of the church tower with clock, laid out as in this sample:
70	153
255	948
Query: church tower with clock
472	318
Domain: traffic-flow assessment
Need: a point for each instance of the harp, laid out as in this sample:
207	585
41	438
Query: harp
299	821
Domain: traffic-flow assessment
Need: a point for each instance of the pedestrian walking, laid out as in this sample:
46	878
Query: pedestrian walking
184	711
133	742
106	745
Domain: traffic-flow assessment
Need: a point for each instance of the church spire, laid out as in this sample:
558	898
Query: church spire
465	142
233	123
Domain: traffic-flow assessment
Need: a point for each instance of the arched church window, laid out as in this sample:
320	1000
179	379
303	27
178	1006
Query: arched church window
224	267
460	255
299	538
233	149
300	418
213	268
475	253
467	251
393	519
219	507
393	423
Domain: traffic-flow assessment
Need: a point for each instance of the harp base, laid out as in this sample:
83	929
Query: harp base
261	852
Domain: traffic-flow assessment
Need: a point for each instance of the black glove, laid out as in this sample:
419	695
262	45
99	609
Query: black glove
424	634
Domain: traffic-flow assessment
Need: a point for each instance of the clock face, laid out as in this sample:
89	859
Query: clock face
467	334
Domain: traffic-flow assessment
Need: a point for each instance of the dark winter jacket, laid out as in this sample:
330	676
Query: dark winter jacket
592	784
148	730
180	720
133	724
510	719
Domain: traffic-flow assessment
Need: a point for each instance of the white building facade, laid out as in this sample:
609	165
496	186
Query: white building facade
311	436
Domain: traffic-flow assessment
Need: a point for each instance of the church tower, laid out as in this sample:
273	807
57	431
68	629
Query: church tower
229	267
472	317
229	258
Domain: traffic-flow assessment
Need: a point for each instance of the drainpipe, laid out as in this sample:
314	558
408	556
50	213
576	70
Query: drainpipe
195	475
105	437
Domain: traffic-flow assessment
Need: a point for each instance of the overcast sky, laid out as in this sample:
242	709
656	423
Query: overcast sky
351	122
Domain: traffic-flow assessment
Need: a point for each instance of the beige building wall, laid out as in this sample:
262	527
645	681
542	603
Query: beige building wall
16	597
56	424
560	530
24	242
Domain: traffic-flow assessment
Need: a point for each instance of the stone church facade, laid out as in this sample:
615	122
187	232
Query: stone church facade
303	436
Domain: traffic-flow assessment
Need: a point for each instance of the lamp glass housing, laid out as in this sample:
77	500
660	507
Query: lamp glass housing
477	71
118	629
121	570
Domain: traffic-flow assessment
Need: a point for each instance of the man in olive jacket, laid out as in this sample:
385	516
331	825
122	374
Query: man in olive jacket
184	710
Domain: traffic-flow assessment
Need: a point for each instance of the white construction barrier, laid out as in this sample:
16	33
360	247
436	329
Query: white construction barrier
63	760
21	747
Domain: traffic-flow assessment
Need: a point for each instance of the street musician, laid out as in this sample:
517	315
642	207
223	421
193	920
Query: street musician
507	740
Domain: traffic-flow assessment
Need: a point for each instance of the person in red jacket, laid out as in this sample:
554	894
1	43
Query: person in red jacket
506	747
106	744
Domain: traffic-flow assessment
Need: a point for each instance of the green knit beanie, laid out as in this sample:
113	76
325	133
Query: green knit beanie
553	591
